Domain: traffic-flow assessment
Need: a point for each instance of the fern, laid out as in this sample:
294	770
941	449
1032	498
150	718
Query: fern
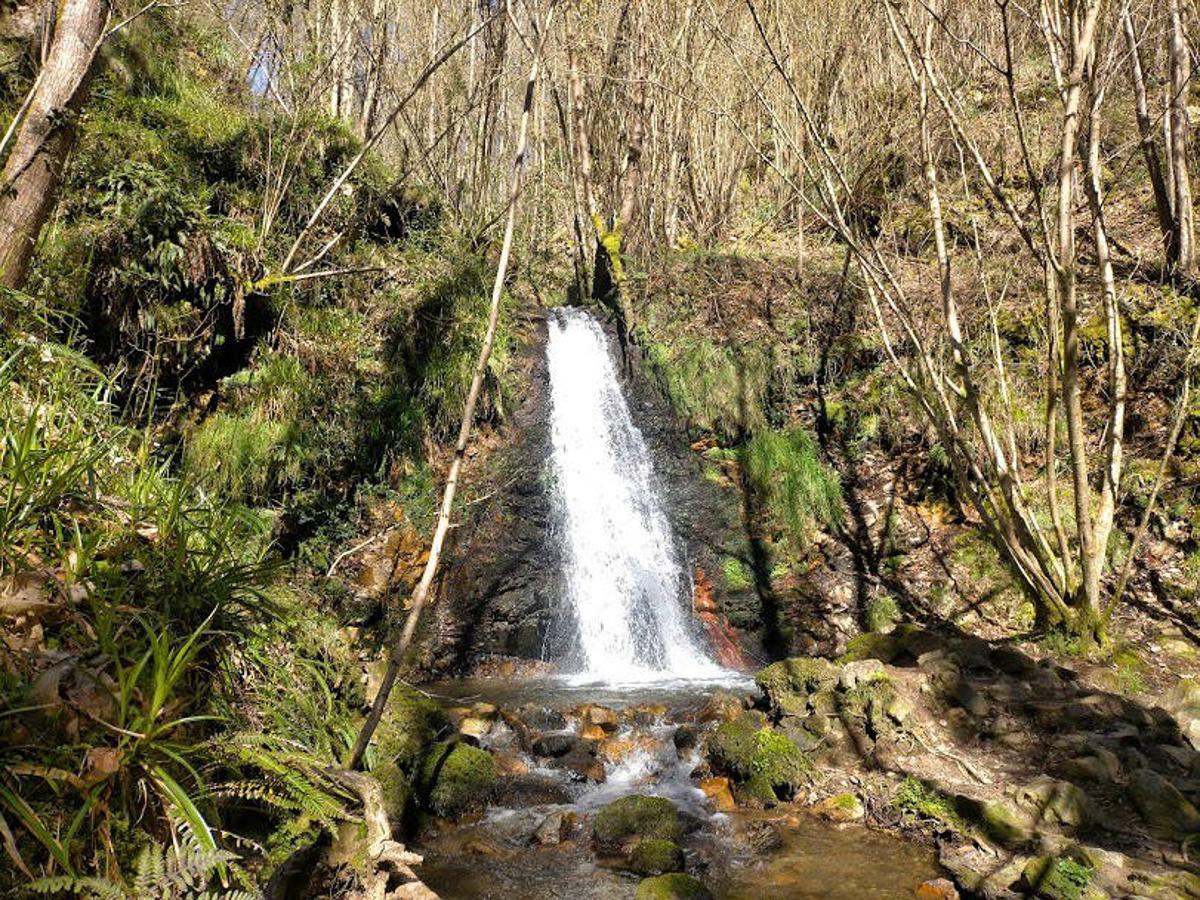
181	872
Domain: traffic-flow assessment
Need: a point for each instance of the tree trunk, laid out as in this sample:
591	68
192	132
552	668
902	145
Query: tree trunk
33	170
1180	76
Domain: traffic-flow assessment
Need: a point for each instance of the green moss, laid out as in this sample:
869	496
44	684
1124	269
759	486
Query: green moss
1006	824
882	613
675	886
454	779
872	645
798	675
916	798
656	857
738	576
635	816
411	722
744	752
1058	878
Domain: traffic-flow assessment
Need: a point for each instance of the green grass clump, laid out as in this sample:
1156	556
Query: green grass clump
797	488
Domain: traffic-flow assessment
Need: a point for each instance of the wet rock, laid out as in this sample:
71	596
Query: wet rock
551	831
555	744
841	808
533	790
600	716
454	779
980	872
473	728
582	764
676	886
685	738
722	706
937	889
635	817
590	732
717	789
537	718
656	857
647	714
1161	804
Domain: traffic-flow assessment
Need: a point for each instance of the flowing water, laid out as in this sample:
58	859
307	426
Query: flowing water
625	584
634	648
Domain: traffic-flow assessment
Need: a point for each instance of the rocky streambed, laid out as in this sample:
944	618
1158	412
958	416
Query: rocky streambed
920	764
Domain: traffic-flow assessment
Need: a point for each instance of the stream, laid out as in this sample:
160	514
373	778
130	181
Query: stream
634	686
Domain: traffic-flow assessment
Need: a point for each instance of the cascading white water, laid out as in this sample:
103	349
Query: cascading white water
625	587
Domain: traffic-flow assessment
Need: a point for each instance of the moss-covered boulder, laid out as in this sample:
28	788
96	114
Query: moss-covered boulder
787	684
635	817
454	779
675	886
656	857
411	722
743	752
1060	878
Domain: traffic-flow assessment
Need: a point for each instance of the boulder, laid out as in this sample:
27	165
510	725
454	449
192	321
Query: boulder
1100	765
787	684
551	831
1161	804
1183	702
675	886
1047	800
656	856
743	752
454	779
635	817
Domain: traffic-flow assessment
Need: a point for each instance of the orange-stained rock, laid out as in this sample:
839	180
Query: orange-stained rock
717	790
591	732
937	889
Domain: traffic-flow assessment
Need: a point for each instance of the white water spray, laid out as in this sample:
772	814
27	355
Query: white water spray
625	587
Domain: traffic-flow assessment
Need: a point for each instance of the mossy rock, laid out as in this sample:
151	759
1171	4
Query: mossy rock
675	886
396	789
756	792
656	857
455	779
873	645
411	722
744	752
635	816
788	683
1060	878
1005	823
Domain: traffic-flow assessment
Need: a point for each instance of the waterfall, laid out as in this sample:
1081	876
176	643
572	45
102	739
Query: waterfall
625	586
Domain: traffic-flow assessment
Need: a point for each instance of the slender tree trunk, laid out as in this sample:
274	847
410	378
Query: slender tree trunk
32	173
1181	72
420	595
1162	198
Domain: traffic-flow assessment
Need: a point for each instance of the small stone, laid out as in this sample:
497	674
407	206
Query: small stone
937	889
474	728
841	808
718	791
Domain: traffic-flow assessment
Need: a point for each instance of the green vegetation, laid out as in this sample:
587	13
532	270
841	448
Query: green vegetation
656	857
738	576
766	759
916	798
676	886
